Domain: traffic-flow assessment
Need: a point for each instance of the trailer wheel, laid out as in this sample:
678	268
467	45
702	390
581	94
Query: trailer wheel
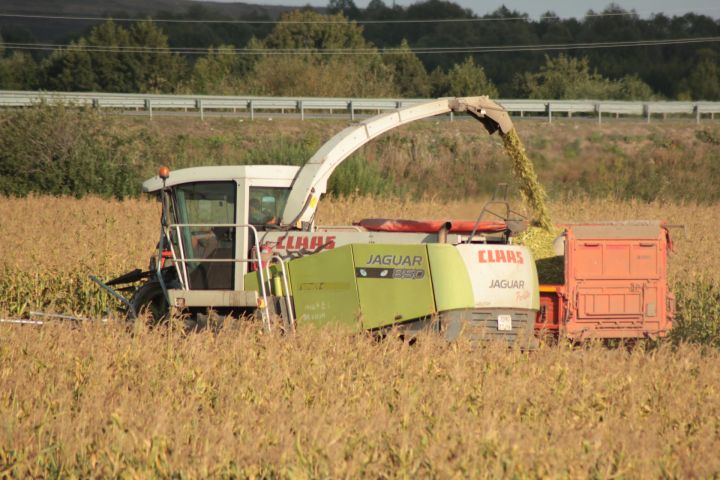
150	300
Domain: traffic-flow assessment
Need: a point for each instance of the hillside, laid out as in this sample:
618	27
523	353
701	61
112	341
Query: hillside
664	160
59	30
146	7
665	56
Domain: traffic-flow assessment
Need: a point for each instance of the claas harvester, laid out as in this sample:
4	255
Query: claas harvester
243	241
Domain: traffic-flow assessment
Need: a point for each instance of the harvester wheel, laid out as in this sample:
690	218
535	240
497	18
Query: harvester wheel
149	300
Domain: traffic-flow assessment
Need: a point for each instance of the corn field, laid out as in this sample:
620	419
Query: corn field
103	399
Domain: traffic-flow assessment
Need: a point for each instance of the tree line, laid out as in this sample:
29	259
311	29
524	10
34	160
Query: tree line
139	56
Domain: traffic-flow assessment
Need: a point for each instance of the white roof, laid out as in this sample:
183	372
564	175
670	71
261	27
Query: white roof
222	173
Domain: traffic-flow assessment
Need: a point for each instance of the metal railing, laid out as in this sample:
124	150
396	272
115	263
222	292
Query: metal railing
285	289
299	107
183	261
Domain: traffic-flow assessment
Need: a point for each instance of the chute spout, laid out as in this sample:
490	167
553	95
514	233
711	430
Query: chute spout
310	183
492	115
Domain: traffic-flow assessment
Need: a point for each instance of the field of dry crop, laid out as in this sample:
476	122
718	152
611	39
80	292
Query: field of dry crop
51	244
99	401
95	399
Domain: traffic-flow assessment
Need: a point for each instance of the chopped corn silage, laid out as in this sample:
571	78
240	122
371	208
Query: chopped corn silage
550	266
530	189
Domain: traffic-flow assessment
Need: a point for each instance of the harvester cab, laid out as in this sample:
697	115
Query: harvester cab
213	217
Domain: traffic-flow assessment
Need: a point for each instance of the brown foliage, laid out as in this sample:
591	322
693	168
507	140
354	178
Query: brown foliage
95	399
50	245
99	401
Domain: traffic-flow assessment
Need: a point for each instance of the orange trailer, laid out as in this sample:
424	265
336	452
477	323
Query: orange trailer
615	283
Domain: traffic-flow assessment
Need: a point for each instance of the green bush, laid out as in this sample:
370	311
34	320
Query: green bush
697	318
77	151
80	151
359	176
68	151
707	136
565	77
281	150
355	176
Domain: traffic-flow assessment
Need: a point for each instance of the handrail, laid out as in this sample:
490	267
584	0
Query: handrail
335	228
298	106
184	282
286	288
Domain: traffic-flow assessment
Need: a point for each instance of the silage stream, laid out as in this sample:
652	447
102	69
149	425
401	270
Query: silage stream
523	169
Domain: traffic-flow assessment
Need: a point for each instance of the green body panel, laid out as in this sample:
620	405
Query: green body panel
324	289
368	286
450	278
252	280
393	283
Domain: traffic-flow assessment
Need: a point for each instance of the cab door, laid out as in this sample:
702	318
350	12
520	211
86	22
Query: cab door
261	204
206	213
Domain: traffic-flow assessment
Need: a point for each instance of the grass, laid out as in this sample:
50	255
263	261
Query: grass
66	151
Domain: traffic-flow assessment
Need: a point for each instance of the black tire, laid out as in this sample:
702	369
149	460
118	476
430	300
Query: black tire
150	298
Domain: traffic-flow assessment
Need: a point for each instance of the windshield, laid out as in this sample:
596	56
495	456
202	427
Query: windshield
207	204
267	204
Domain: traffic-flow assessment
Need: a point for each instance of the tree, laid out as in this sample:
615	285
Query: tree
439	83
410	75
70	69
565	77
111	68
114	59
345	7
703	82
219	73
154	68
631	87
309	69
297	30
295	75
560	77
376	6
468	79
18	72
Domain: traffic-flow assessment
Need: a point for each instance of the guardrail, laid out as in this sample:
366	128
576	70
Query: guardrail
300	106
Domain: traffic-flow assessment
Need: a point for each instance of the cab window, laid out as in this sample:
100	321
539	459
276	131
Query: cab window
267	205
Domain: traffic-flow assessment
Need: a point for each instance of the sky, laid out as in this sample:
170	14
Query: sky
564	8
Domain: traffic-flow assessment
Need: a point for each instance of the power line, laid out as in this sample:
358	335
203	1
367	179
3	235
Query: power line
326	22
363	51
